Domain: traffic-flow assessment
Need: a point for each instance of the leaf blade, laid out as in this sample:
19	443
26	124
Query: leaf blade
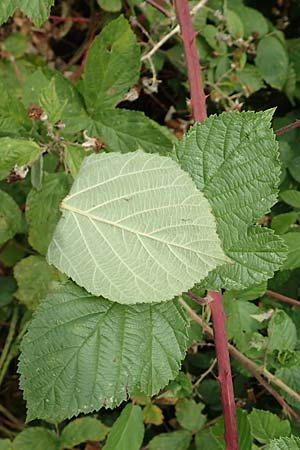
106	337
233	158
112	66
143	231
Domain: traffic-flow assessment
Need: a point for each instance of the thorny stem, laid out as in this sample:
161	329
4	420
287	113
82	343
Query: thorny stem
198	102
282	298
224	369
171	33
198	98
253	368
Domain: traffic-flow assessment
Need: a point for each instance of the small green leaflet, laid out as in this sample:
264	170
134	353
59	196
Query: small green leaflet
16	152
138	226
82	353
233	158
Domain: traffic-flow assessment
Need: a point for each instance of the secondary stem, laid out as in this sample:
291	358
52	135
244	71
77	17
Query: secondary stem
224	376
253	368
282	298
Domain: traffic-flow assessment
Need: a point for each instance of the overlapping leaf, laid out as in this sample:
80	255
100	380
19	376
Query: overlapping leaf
84	352
234	160
135	229
42	212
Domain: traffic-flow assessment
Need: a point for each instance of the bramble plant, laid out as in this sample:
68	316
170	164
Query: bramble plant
130	237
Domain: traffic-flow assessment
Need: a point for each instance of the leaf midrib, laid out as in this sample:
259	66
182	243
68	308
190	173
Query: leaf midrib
127	229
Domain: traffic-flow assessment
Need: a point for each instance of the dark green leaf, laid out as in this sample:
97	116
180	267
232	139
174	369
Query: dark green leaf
42	210
240	177
272	61
120	345
10	217
112	66
127	431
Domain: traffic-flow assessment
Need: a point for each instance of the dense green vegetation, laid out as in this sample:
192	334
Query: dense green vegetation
116	213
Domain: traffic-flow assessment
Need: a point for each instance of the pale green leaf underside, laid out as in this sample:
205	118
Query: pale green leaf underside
82	353
135	229
37	10
285	443
233	158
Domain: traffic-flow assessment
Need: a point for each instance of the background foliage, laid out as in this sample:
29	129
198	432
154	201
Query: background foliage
60	103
